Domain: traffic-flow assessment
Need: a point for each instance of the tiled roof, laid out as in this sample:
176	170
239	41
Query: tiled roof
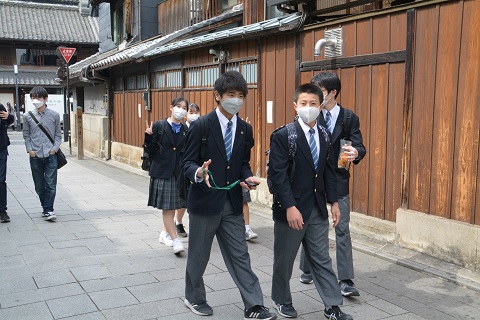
283	23
28	77
137	50
46	22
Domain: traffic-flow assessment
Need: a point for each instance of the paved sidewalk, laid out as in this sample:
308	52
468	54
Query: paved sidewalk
101	259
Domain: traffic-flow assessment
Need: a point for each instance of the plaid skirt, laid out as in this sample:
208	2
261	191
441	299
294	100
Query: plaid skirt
246	196
163	194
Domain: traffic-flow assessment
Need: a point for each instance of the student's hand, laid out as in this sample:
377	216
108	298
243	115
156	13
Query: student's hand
247	121
4	115
149	128
202	172
52	152
250	183
335	214
32	154
351	152
294	218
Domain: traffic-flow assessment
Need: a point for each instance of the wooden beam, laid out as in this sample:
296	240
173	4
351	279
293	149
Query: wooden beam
357	61
408	104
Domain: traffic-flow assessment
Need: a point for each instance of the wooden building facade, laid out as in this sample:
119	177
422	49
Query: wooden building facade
410	73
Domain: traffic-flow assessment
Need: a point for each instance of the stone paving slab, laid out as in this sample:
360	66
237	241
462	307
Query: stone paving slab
101	259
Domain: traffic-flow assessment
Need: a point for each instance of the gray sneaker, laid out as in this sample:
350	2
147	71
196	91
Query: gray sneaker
202	309
306	278
50	216
348	289
286	310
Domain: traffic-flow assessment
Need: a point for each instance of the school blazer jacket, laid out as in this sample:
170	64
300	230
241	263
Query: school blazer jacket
308	185
166	161
343	175
201	199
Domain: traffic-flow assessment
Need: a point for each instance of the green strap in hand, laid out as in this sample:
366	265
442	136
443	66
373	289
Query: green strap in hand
228	187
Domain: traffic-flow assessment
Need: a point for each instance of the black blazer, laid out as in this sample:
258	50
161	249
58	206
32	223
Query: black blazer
308	186
166	161
201	199
343	175
4	140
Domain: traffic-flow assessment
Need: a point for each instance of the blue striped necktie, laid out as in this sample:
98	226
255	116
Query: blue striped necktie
313	147
228	140
328	122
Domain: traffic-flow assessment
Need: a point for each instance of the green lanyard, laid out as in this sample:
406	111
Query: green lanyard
228	187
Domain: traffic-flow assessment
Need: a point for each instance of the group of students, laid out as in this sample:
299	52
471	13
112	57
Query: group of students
219	171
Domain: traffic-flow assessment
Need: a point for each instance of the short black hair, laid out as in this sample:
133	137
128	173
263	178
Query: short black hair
327	80
194	106
2	108
308	88
178	100
38	92
231	80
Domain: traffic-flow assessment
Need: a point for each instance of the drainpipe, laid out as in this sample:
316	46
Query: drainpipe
322	43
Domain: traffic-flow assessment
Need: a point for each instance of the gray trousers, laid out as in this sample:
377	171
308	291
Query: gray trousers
314	237
343	243
230	231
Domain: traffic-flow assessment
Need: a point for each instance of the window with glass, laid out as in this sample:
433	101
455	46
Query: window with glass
201	77
248	69
166	79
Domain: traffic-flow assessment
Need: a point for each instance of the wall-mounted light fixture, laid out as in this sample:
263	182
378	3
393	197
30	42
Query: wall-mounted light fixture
332	44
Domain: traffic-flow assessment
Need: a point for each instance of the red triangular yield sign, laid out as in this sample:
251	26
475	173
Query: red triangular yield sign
67	53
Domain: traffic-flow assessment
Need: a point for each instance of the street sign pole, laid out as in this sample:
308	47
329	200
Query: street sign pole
67	54
68	112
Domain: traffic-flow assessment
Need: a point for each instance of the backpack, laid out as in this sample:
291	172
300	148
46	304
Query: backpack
148	154
292	149
183	183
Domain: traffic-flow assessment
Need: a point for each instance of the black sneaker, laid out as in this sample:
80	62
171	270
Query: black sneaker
202	309
45	214
4	217
334	313
348	289
259	312
306	278
181	231
286	310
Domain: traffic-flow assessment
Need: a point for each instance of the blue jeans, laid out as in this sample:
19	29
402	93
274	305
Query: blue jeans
3	179
44	173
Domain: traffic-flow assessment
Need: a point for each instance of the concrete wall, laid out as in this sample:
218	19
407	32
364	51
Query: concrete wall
127	154
95	134
449	240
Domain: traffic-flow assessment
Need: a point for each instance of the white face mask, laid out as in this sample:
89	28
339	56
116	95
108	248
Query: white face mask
232	105
179	113
308	114
37	103
325	100
192	117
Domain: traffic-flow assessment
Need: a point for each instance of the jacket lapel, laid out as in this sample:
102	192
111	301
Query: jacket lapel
338	125
240	134
169	132
322	138
302	144
217	134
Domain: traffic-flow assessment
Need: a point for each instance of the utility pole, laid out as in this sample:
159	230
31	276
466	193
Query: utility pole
17	104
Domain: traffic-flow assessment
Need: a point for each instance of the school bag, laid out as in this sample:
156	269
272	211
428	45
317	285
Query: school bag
148	151
292	149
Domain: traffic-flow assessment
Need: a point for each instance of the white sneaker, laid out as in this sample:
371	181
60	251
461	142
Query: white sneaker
165	238
250	235
178	246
